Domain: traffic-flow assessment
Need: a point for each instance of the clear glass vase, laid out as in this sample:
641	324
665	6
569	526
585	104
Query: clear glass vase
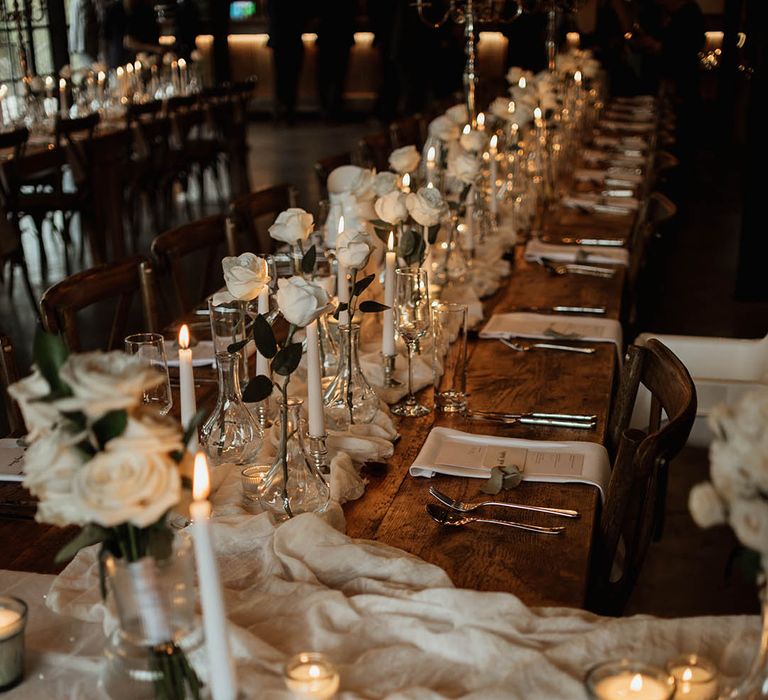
293	485
755	685
153	601
231	434
447	261
349	398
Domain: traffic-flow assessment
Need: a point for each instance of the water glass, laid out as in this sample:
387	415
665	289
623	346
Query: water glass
228	325
449	357
150	347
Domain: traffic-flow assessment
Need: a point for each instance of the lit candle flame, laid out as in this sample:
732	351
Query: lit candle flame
341	224
537	113
577	77
391	242
314	671
137	66
201	483
431	154
129	68
636	684
62	84
467	128
430	186
481	120
494	141
687	674
184	337
48	81
511	107
522	83
120	71
182	63
102	76
406	180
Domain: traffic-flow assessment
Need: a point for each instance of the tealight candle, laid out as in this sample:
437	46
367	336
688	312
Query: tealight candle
13	618
183	76
696	677
311	676
629	680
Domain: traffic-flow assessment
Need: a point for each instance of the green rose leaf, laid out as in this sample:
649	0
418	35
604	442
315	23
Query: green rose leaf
49	353
494	483
258	389
432	232
264	337
287	359
90	534
343	306
308	261
362	285
238	346
110	425
160	544
372	307
406	244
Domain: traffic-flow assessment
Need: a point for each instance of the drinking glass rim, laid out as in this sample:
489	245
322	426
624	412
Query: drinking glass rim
145	338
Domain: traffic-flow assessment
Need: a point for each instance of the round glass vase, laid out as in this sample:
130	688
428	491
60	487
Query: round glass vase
153	601
231	434
754	686
349	398
293	485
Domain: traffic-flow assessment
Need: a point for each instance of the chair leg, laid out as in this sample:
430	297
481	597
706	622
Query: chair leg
660	507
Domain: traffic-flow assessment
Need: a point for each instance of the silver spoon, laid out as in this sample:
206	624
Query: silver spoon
446	517
465	507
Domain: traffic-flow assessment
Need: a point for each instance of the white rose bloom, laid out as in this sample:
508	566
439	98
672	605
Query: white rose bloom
444	128
39	416
384	183
458	114
749	520
500	108
300	301
362	185
751	413
353	248
291	226
391	207
66	72
524	97
728	472
464	167
125	487
515	73
405	159
426	206
706	506
473	141
148	433
245	275
103	382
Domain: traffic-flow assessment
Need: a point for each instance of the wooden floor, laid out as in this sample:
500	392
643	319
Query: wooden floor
692	293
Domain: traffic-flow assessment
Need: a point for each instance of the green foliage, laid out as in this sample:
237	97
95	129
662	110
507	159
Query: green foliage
90	534
502	478
372	307
308	261
432	232
109	426
258	389
49	353
287	359
411	246
264	337
362	285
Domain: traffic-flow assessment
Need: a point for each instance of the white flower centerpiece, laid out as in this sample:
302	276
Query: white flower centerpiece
293	226
100	459
737	496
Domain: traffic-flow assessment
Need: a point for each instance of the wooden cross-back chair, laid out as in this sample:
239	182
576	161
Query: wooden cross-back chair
209	238
406	132
123	280
325	166
636	488
253	213
8	375
373	150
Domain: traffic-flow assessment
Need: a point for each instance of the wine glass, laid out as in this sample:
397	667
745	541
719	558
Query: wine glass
150	347
412	312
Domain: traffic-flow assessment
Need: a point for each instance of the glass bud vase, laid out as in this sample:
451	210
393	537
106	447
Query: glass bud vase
755	685
293	485
349	398
231	434
153	601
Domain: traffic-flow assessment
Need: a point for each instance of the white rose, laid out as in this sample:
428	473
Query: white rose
362	185
384	183
523	96
728	471
126	487
458	114
749	520
66	71
391	207
148	433
752	413
300	301
473	140
444	128
353	249
463	166
39	416
426	206
405	159
706	506
103	382
515	73
291	226
500	108
245	275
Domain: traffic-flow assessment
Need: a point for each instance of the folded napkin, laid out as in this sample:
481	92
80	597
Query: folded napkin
636	142
536	250
553	327
594	175
600	204
11	460
203	354
455	453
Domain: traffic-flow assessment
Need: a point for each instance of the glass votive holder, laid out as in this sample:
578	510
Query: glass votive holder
696	677
626	679
13	620
311	676
251	480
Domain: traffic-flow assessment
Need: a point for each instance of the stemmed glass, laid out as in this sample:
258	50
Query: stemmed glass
412	313
150	347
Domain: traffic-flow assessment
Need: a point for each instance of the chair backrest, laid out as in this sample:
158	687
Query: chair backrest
373	150
8	375
76	135
253	213
124	281
325	166
640	463
406	131
204	241
16	142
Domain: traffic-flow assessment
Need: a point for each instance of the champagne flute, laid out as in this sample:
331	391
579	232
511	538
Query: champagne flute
412	312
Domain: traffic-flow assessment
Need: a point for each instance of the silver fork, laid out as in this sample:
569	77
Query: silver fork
464	507
545	346
576	269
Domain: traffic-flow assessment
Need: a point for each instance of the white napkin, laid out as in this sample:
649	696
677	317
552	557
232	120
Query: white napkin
539	460
203	355
634	127
536	250
593	175
553	327
11	460
616	158
600	204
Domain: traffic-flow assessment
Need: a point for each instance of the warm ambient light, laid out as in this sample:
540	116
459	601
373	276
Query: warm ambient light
537	113
636	684
481	121
494	141
363	38
407	180
522	83
431	154
511	107
184	337
577	77
391	241
687	675
201	483
182	64
341	224
309	37
467	128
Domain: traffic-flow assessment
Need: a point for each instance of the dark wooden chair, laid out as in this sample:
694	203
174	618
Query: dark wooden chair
253	213
325	166
373	150
636	489
123	281
406	132
8	375
180	251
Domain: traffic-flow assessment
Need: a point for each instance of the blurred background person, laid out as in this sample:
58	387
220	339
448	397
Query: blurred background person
335	37
286	23
130	27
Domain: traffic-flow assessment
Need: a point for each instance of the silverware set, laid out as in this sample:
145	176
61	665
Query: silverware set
556	268
579	241
553	420
559	309
527	346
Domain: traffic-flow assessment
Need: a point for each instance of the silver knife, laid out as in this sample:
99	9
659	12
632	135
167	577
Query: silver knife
574	240
562	309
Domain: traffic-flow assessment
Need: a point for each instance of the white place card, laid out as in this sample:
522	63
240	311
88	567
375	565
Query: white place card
11	460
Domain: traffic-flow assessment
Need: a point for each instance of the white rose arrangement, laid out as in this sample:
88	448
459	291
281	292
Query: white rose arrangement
404	160
391	207
458	114
444	128
351	191
473	140
736	494
292	226
245	276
